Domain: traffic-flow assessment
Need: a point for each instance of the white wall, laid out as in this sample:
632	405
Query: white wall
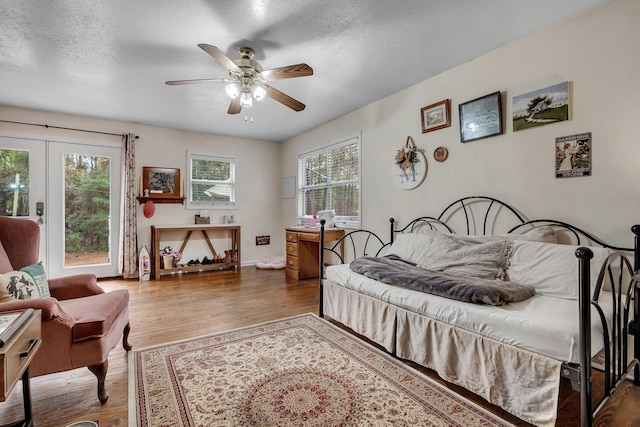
258	174
597	52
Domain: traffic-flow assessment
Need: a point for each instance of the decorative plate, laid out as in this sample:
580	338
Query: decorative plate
441	154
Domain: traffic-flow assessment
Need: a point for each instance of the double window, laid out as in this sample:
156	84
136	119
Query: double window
329	178
212	182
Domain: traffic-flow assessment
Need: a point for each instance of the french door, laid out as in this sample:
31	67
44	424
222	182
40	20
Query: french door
73	191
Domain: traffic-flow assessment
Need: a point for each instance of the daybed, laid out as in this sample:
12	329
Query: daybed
523	319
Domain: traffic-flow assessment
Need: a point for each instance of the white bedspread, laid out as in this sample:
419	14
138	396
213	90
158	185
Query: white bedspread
541	324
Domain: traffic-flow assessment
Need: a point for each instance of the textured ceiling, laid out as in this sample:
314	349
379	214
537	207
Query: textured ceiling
110	58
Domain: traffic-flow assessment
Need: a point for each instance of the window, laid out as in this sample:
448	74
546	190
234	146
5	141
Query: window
212	182
329	178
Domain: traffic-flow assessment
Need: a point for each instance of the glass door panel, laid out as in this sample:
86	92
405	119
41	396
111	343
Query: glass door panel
84	190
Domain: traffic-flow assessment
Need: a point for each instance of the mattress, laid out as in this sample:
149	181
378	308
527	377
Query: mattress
541	324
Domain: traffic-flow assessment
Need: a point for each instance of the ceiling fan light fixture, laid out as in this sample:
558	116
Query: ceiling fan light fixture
259	92
245	100
233	90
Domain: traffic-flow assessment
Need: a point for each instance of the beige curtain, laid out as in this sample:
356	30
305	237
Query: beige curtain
128	254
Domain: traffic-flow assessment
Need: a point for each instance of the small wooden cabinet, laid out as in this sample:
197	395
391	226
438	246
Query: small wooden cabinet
20	338
303	250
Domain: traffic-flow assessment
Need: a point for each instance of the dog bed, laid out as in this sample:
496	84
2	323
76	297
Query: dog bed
272	263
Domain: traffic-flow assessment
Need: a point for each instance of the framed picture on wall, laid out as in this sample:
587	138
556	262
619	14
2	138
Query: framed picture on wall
541	107
161	182
481	117
436	116
573	155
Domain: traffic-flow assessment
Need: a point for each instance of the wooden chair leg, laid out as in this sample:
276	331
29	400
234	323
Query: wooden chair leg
125	337
100	371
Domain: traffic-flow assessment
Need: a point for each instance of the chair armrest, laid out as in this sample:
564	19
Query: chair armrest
49	306
77	286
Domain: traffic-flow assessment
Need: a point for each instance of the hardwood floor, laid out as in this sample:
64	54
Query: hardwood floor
190	305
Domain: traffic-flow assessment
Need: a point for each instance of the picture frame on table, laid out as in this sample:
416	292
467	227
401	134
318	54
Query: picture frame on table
481	117
436	116
161	182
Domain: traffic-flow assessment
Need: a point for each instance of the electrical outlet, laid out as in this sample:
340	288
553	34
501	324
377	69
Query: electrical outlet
263	240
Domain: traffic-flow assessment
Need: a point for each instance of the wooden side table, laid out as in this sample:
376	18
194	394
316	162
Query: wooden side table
230	231
20	339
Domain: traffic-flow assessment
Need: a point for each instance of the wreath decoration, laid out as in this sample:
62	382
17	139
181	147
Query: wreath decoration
407	156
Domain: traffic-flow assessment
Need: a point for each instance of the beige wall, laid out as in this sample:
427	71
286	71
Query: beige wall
597	52
258	173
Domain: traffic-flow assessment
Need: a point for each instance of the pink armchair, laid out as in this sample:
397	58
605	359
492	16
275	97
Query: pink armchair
81	322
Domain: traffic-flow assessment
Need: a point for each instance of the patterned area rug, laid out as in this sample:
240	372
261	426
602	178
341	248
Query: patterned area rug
299	371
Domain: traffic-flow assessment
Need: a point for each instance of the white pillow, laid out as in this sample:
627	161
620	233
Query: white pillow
410	246
451	255
538	234
552	269
447	253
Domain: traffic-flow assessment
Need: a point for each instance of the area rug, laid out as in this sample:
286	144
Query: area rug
298	371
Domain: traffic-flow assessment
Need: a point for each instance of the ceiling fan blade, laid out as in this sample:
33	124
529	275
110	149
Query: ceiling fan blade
219	56
289	72
284	98
188	82
234	106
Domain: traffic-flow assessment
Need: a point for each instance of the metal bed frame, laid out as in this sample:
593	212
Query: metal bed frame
480	215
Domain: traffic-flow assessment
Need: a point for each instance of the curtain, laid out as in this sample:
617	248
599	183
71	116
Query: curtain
128	252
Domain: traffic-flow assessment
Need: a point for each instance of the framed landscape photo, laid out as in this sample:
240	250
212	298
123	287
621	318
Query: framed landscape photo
436	116
541	107
161	182
481	117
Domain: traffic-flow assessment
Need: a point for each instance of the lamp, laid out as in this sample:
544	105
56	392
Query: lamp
232	89
259	92
247	89
245	100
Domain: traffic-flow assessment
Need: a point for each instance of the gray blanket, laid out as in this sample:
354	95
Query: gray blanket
392	270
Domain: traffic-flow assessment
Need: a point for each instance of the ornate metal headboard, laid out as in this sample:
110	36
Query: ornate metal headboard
487	215
469	215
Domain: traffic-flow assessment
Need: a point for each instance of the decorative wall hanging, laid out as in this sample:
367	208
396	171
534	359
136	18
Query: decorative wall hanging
481	117
161	182
436	116
541	107
162	185
410	167
573	155
440	154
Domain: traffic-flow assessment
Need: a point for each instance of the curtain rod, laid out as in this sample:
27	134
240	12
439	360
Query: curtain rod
64	128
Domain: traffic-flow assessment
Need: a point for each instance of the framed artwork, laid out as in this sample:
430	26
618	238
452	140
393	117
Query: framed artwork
481	117
161	182
441	154
541	107
436	116
573	155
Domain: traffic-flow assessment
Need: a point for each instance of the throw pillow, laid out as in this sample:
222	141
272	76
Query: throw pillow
488	260
453	255
552	269
28	283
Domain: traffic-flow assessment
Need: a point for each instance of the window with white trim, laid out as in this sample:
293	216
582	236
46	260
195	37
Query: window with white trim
329	178
212	182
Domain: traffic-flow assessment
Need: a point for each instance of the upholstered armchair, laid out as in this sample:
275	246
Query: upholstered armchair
81	323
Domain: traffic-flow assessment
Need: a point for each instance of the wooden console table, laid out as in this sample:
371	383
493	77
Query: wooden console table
303	250
20	340
232	230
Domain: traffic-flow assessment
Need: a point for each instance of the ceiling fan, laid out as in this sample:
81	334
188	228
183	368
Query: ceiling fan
247	80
